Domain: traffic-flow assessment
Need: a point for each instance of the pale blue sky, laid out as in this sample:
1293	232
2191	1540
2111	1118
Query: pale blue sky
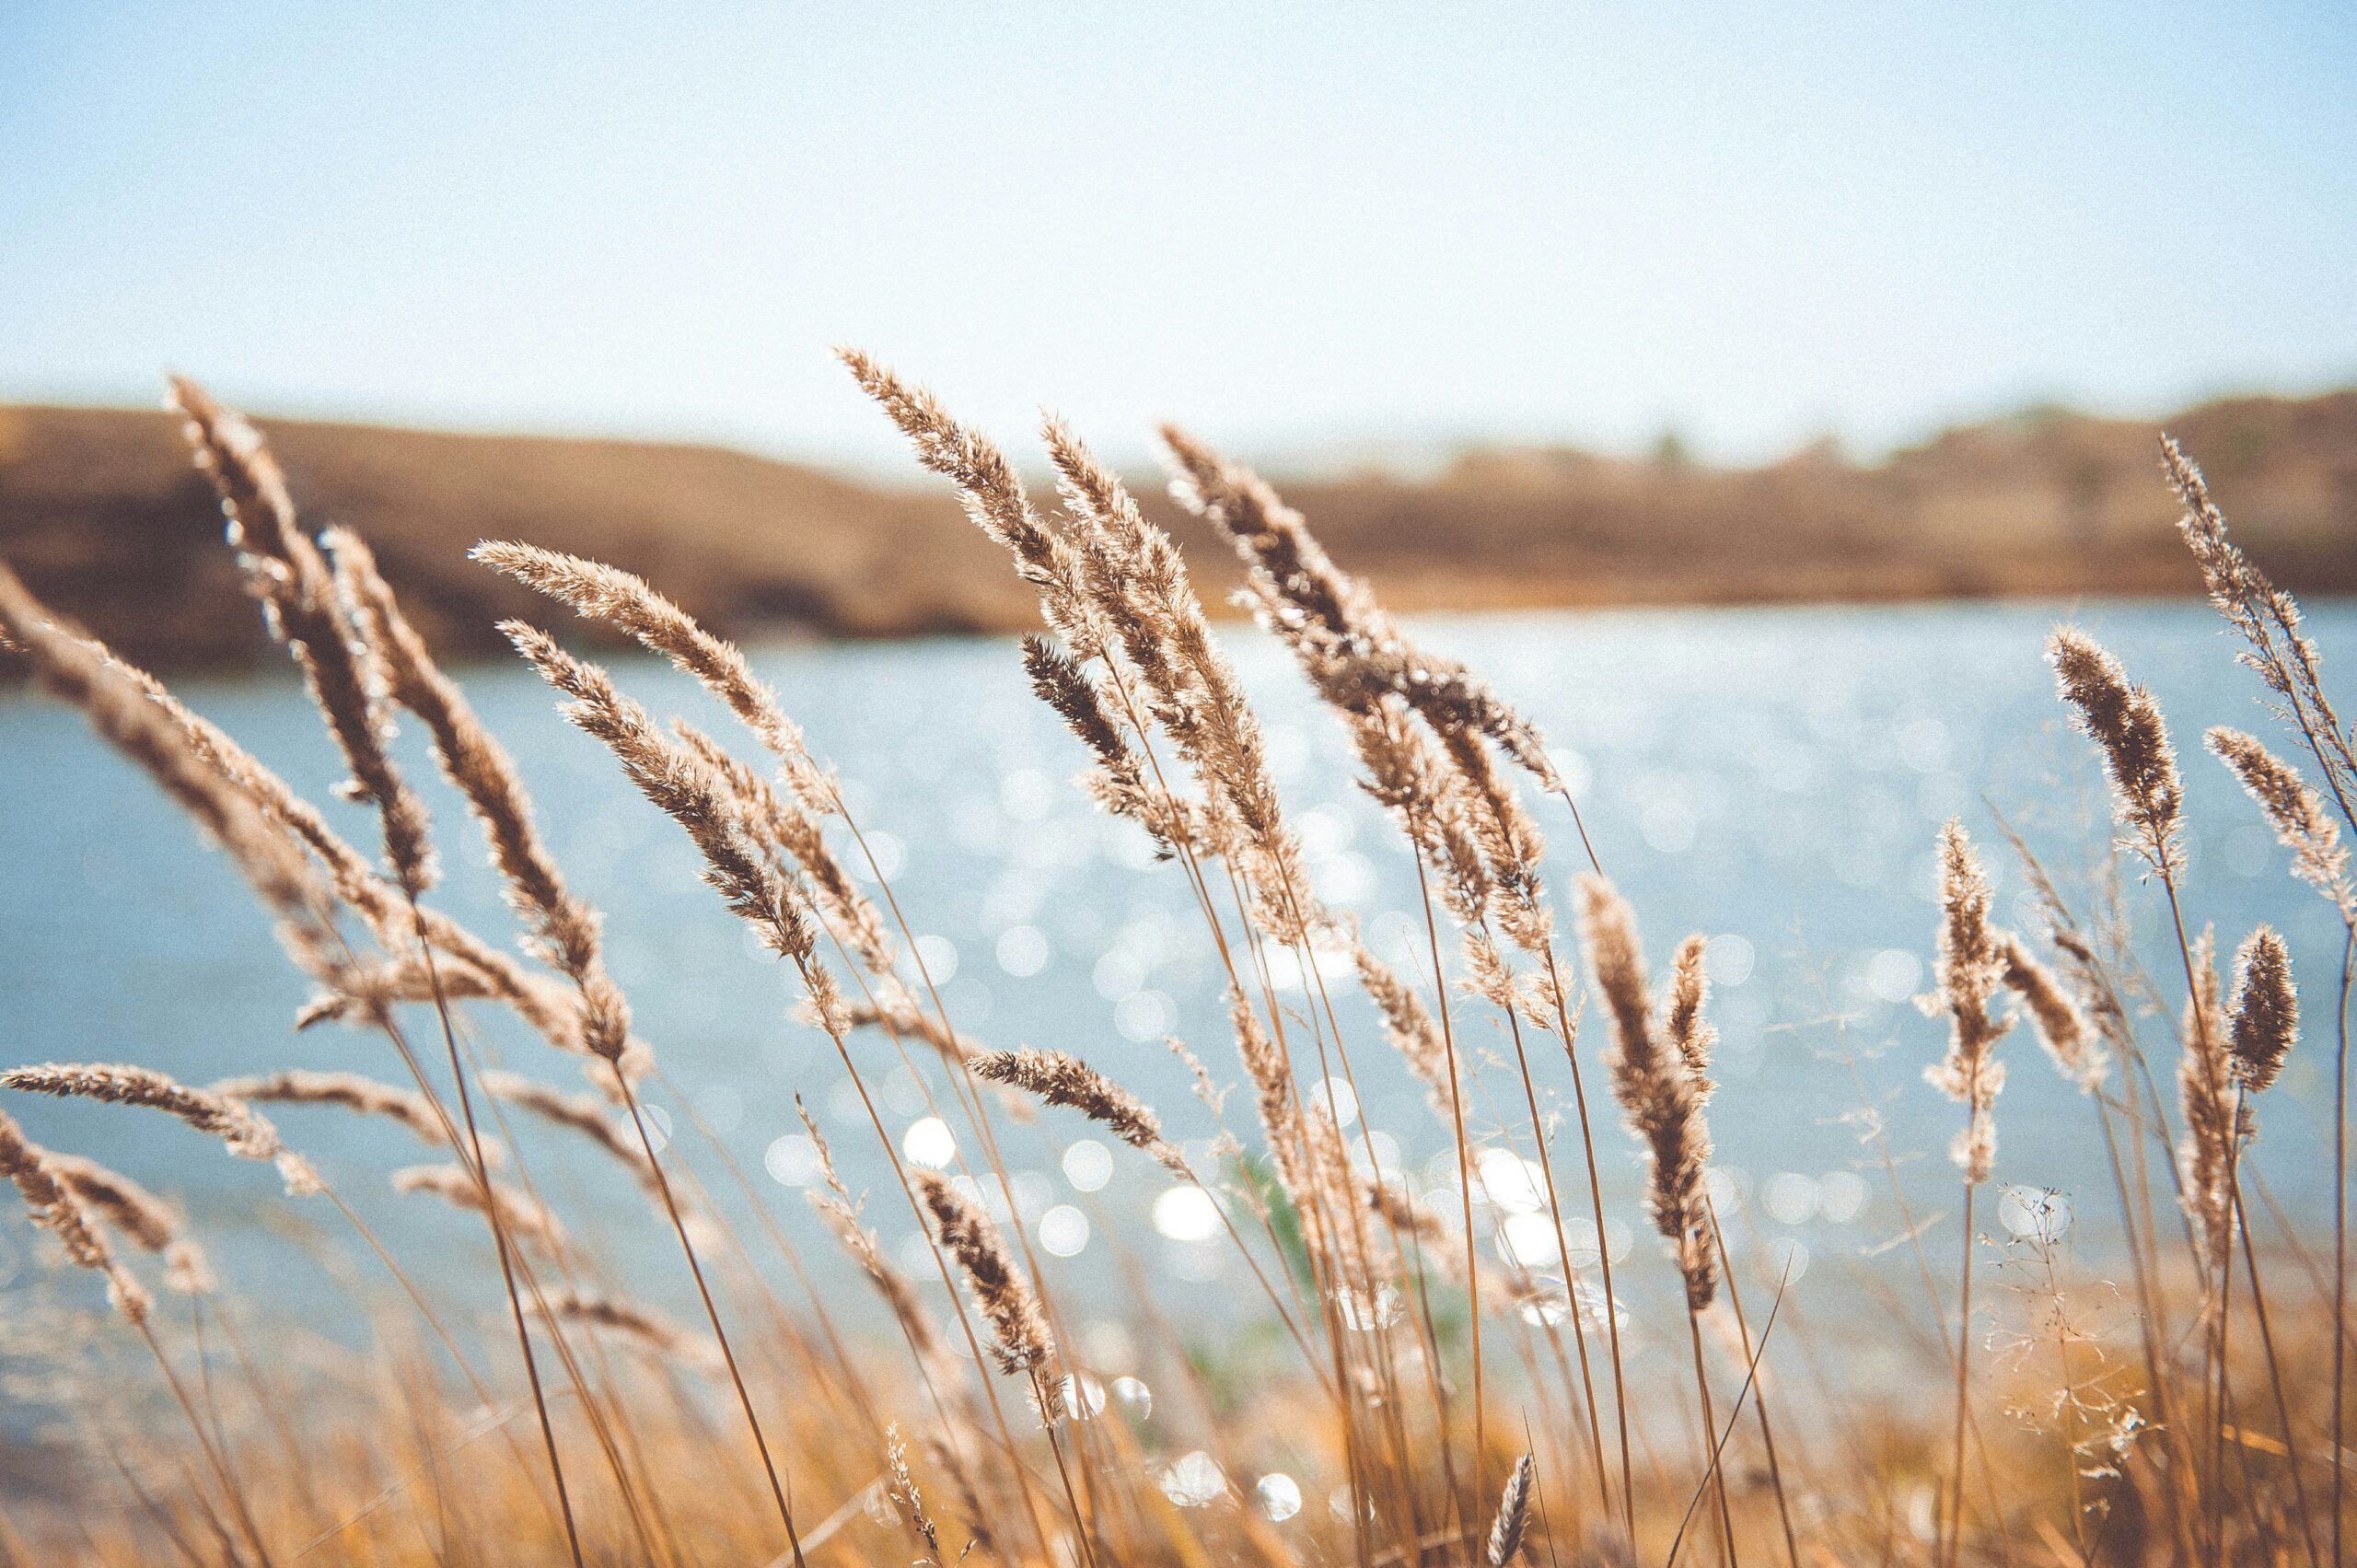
1302	228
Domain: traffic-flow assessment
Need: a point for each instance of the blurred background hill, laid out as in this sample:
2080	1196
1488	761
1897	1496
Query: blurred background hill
102	512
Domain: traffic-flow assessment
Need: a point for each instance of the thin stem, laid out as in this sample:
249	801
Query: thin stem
500	1240
1714	1474
1963	1372
712	1312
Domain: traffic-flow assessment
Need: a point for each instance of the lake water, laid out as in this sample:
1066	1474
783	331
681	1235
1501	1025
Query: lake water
1772	777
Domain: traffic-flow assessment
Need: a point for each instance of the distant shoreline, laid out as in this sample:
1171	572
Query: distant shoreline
102	514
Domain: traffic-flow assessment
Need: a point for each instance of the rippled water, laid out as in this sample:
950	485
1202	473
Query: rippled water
1771	777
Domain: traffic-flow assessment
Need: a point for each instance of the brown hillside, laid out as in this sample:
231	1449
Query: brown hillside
100	512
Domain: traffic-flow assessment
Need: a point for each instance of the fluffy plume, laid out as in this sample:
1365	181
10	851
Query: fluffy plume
115	702
1311	603
285	570
1407	1024
582	1113
2206	1096
1065	1080
2268	620
2062	1028
1657	1091
299	1086
1019	1337
1513	1515
2125	723
608	594
519	1214
146	1219
52	1206
2263	1013
2294	810
647	1326
243	1131
1694	1036
564	929
1968	967
684	789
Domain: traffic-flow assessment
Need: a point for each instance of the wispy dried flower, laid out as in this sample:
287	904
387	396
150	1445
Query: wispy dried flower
904	1491
1513	1522
644	1324
285	571
2294	810
2062	1028
354	1091
1020	1338
52	1206
519	1214
1968	967
2263	1012
1657	1091
607	592
582	1113
1064	1080
243	1131
564	929
2124	722
2205	1085
148	1220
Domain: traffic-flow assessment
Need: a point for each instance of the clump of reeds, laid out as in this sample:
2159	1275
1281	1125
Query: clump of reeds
1387	1298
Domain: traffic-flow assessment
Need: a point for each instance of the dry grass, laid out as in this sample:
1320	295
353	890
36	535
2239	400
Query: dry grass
1427	1401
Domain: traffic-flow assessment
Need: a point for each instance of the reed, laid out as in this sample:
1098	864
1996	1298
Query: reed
1425	1309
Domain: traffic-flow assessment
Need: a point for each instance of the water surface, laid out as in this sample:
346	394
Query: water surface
1772	777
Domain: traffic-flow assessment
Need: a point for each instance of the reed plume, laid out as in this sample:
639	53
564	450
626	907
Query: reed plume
1312	602
2206	1098
354	1091
1513	1521
149	1222
1020	1341
1064	1080
1969	965
581	1113
2263	1012
520	1214
607	593
1658	1091
2293	810
685	789
51	1203
835	1205
285	570
563	929
2062	1028
1690	1034
242	1130
2270	623
2125	723
1410	1026
643	1324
